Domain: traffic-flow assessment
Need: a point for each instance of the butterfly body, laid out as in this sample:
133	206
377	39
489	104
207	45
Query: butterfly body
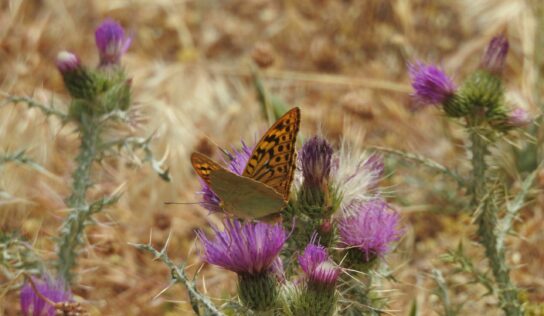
263	188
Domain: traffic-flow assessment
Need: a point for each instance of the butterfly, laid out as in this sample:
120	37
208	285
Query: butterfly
263	188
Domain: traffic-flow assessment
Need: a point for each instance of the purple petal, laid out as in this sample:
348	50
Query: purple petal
248	248
431	85
111	42
371	227
33	305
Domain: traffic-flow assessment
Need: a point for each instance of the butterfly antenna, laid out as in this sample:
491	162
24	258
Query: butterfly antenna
37	292
187	203
223	150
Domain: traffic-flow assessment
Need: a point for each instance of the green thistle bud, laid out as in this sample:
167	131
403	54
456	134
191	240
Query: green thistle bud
78	81
456	106
314	300
483	93
114	91
357	260
258	292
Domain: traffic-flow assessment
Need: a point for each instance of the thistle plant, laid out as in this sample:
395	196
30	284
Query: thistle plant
335	224
480	105
99	97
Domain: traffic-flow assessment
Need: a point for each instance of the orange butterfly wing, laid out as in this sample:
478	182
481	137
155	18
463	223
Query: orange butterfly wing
272	162
204	166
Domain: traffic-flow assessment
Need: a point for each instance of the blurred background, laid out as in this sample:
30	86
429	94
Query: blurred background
343	62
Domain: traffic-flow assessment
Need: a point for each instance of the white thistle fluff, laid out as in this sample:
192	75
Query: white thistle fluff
353	175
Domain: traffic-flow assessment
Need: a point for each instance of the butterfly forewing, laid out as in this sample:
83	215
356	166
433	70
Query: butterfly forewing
204	166
272	162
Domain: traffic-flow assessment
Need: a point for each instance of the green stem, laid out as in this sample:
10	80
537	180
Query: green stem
178	274
487	222
72	230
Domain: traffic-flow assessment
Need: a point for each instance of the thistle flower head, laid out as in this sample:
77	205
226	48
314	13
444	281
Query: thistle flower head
495	55
431	85
111	42
34	305
67	62
317	265
244	248
370	227
315	156
518	117
313	255
237	163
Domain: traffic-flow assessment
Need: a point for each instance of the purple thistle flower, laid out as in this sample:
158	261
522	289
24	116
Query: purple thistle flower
33	305
495	55
111	42
67	62
315	262
237	164
519	117
313	255
431	85
369	226
244	248
315	157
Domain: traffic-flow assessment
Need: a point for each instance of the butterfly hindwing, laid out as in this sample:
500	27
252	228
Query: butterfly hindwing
244	197
272	162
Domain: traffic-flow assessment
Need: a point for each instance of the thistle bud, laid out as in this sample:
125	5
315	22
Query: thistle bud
315	158
317	294
77	80
258	292
67	62
111	42
519	117
495	55
516	118
484	93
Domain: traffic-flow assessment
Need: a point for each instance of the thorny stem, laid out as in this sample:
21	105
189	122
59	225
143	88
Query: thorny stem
179	276
71	233
442	293
487	222
34	104
422	160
